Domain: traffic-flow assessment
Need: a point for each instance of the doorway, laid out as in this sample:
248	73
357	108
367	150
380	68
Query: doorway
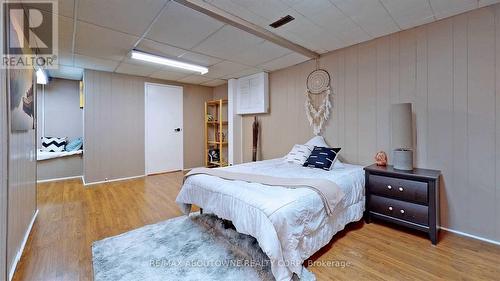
163	128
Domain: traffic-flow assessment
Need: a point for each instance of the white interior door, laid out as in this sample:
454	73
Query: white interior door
164	133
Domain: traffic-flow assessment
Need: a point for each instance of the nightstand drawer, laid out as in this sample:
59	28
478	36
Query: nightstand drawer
414	191
398	209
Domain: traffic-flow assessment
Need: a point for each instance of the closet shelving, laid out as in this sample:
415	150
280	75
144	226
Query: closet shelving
216	132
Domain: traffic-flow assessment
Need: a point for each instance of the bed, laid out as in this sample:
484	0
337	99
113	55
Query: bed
289	224
59	165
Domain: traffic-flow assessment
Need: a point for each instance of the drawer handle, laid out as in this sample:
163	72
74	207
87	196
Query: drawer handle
401	189
389	187
402	211
390	208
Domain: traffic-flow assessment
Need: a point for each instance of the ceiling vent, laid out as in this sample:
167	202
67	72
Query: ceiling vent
284	20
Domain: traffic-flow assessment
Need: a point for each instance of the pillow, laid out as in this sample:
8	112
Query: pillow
52	144
75	145
322	158
298	154
316	141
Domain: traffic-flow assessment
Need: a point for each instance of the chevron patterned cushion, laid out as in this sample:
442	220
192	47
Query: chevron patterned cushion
52	144
322	158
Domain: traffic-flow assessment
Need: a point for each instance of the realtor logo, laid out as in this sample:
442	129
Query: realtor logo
30	34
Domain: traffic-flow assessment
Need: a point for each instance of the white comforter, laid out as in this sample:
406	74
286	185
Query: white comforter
289	224
45	155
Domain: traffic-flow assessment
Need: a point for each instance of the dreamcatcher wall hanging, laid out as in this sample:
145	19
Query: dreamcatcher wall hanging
318	83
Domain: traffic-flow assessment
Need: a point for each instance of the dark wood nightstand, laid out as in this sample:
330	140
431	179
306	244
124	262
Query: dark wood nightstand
407	198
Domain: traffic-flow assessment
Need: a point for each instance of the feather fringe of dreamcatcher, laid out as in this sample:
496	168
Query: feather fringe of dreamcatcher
318	117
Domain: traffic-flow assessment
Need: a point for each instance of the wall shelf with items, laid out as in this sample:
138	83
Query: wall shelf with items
216	133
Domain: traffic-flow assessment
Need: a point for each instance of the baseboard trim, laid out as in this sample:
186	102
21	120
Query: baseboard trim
189	169
60	179
470	236
21	249
113	180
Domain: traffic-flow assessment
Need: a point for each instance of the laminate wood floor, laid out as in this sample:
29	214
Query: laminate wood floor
71	217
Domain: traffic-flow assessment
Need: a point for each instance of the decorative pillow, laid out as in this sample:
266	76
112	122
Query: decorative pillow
298	154
75	144
322	158
52	144
316	141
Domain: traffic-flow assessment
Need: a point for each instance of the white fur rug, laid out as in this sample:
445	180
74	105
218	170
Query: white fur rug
197	247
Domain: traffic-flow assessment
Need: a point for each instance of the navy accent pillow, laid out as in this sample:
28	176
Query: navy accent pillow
322	158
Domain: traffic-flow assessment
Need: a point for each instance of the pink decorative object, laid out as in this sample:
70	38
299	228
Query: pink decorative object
381	158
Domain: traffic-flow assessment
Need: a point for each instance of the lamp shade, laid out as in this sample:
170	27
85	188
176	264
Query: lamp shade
401	125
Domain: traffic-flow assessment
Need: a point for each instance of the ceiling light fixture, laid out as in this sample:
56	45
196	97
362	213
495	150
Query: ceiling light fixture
138	55
41	77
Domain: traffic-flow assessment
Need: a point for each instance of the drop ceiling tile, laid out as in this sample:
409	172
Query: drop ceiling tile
67	72
129	16
135	69
224	68
370	15
95	41
260	53
446	8
195	79
228	42
336	23
214	83
484	3
311	8
409	13
64	8
271	10
160	49
182	27
65	58
321	40
65	34
240	11
168	75
285	61
199	59
242	73
292	2
309	34
95	63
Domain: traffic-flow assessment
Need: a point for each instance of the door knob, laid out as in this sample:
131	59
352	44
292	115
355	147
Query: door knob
177	129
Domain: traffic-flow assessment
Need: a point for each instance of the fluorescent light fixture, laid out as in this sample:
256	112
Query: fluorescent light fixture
170	62
41	77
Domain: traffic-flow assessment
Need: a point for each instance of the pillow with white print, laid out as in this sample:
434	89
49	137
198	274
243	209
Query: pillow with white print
298	154
322	158
52	144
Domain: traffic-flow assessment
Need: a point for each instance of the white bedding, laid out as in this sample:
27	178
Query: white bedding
289	224
44	155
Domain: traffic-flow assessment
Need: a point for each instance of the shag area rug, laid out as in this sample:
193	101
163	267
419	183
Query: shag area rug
198	247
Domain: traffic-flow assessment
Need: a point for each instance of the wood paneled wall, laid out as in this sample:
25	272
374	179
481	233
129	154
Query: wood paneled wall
3	174
17	181
21	190
114	125
60	97
449	70
220	92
